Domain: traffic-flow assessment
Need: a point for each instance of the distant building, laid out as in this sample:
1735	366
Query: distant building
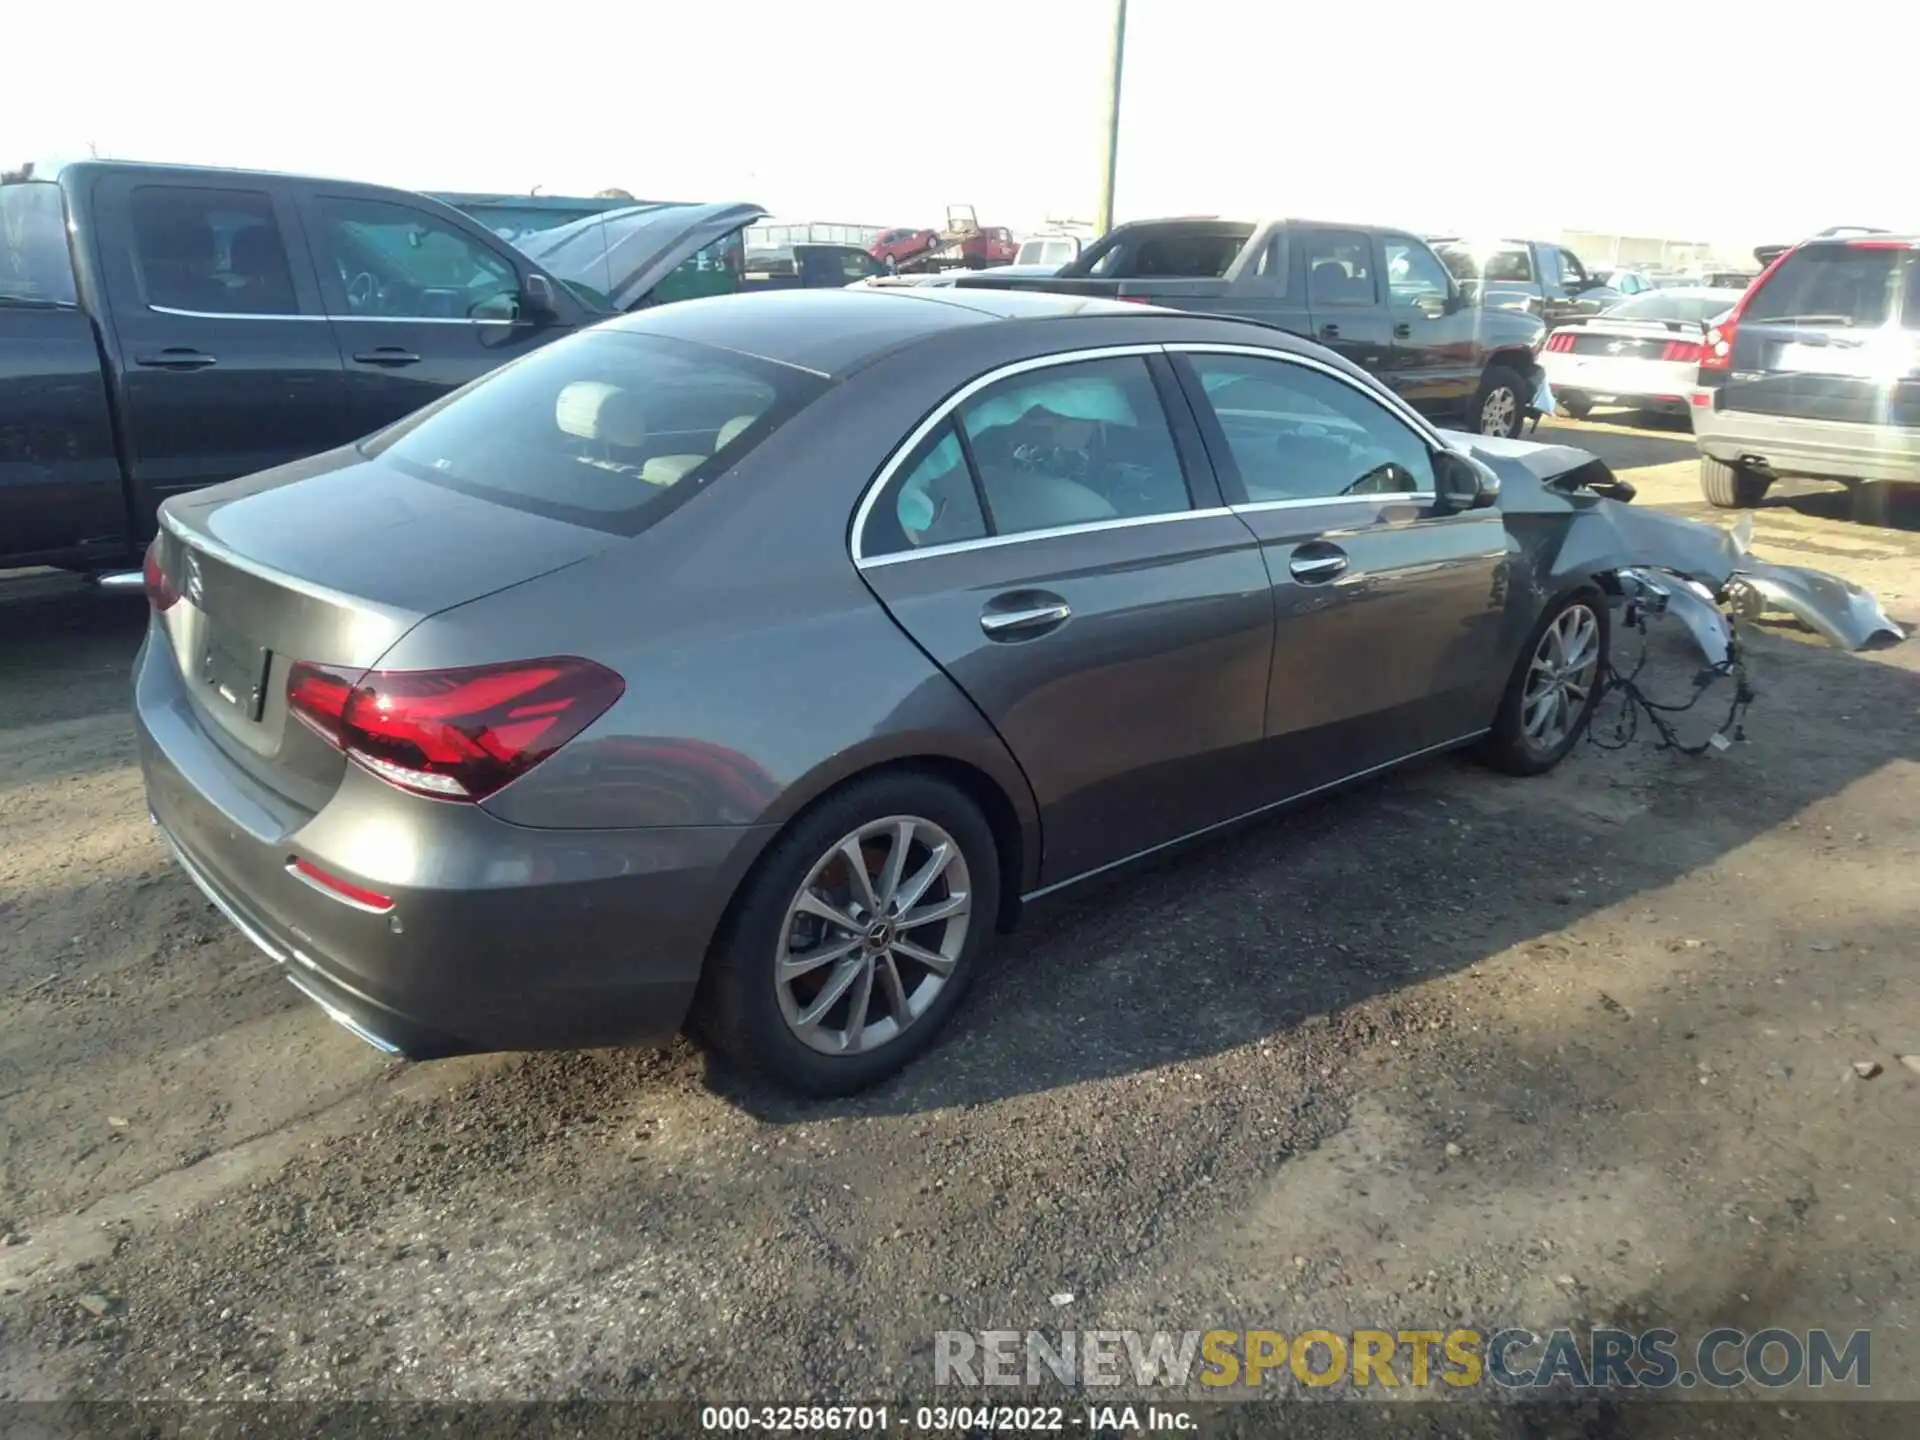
1651	252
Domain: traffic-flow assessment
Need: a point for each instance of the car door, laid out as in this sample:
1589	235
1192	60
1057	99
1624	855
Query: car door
1387	603
1053	539
1344	296
226	364
419	302
1435	364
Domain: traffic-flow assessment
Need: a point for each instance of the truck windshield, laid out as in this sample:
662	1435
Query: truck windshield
35	265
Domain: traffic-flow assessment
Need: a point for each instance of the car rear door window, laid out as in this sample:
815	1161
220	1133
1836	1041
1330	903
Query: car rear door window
1844	285
1295	433
1073	444
216	252
598	429
397	262
35	263
1340	268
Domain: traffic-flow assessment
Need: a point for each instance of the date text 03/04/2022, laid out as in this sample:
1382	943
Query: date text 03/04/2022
944	1419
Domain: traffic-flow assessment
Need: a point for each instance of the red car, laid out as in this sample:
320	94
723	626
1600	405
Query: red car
989	245
895	246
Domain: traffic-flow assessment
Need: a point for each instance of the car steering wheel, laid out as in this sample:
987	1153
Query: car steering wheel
362	290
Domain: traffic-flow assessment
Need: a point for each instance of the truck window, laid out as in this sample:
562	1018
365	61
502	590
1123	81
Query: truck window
1570	267
396	262
1340	268
35	264
218	252
1412	270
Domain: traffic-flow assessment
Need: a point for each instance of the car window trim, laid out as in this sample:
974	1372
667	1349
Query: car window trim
901	454
1401	410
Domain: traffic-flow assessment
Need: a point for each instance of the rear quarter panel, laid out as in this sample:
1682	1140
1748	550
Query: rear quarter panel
760	669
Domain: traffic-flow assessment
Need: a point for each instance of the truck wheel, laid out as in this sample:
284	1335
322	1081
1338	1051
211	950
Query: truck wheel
1578	406
1731	487
1502	405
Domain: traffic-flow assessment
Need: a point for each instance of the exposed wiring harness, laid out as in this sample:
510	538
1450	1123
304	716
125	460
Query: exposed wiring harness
1634	701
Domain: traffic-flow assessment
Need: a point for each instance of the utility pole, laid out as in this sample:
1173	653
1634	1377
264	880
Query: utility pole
1103	216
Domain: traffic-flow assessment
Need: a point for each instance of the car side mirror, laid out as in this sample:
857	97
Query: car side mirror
1432	306
1463	482
536	297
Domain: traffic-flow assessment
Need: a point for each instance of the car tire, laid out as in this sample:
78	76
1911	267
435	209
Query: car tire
1511	746
1731	487
747	1012
1578	406
1502	394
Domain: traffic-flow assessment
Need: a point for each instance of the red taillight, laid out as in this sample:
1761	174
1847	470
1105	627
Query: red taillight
1716	350
160	592
345	889
1687	350
454	734
1560	342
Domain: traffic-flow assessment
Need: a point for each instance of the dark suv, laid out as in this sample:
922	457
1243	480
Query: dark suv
1816	372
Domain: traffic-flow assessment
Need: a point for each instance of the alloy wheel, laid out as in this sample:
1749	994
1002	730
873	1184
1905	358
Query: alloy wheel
873	935
1560	677
1499	413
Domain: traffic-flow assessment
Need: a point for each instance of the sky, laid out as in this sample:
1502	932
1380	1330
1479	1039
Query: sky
1686	120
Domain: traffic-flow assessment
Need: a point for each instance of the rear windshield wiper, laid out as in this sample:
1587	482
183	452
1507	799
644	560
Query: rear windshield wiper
36	302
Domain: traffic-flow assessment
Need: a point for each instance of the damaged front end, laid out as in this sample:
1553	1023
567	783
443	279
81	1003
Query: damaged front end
1572	512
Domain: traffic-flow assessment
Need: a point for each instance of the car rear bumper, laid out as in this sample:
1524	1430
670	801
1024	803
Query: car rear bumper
1644	384
1789	445
500	937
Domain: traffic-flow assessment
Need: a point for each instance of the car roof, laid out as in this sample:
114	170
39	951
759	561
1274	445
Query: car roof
834	332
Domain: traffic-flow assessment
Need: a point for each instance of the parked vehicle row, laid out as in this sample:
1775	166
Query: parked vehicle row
1089	578
1380	298
1535	276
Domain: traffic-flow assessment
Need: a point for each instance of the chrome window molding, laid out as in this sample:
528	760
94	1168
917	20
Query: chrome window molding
1393	404
361	319
1052	532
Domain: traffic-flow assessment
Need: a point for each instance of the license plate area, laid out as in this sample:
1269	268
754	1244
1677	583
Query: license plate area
236	672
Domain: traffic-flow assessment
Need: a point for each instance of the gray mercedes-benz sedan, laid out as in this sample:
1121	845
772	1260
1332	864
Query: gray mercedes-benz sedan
753	660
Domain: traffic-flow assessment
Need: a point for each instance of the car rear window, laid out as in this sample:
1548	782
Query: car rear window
35	266
1665	305
606	429
1828	285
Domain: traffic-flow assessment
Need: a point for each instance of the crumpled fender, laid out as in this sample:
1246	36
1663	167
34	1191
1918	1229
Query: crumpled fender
1837	610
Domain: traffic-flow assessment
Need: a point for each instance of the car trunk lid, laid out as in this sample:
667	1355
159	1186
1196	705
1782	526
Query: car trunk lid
623	255
330	561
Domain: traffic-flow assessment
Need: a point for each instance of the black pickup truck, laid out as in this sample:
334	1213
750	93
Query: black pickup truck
1379	297
165	327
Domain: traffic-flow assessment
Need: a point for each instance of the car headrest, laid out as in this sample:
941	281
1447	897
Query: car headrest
730	431
595	410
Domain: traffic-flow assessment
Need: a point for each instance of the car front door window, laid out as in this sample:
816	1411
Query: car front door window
1296	434
394	262
1413	271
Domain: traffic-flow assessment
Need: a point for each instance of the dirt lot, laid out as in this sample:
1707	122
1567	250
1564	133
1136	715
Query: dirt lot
1447	1049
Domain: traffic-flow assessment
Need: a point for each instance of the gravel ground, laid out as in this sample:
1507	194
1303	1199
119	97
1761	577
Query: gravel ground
1447	1049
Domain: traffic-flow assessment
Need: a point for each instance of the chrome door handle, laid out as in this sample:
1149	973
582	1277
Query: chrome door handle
1311	569
1018	622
